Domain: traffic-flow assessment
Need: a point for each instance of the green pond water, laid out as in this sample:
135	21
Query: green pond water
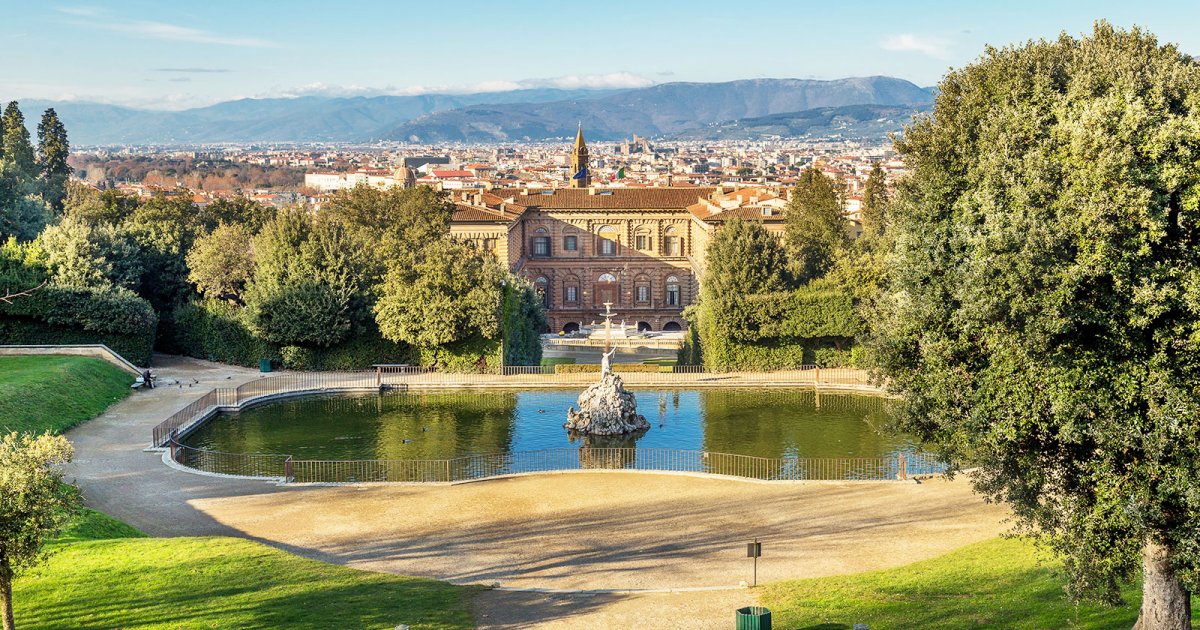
442	424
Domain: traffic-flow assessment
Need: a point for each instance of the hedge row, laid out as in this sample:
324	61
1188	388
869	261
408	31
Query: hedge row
717	349
117	318
817	310
578	368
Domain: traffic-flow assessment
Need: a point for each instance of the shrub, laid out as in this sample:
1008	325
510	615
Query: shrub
217	331
475	355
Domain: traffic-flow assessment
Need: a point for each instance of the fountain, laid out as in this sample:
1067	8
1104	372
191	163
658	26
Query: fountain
606	407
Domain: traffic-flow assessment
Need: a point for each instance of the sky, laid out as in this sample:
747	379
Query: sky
177	54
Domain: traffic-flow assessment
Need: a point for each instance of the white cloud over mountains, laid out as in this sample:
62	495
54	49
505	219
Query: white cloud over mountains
612	80
936	47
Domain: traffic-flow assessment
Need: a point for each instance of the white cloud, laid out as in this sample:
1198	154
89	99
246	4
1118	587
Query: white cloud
614	80
79	11
173	32
936	47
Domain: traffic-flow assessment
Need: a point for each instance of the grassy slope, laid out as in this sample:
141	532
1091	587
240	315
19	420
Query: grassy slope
105	574
1000	583
40	393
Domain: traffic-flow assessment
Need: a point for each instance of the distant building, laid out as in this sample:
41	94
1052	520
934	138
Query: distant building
642	249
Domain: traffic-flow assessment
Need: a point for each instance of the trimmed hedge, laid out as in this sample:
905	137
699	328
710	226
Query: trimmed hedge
577	368
476	355
115	317
217	331
719	350
818	309
523	320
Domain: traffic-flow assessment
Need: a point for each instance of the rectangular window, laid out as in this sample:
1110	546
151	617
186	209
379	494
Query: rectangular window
642	242
570	243
572	294
643	293
541	246
673	295
608	247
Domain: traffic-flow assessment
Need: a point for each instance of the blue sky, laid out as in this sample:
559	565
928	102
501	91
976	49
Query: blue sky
180	54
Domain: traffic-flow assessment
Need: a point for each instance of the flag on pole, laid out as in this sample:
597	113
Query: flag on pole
581	174
621	173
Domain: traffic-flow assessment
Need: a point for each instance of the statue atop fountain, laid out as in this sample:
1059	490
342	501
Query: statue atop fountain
606	407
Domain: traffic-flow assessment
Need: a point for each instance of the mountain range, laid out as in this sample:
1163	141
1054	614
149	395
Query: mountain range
700	110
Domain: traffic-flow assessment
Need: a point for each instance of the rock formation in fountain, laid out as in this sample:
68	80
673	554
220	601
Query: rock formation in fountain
606	408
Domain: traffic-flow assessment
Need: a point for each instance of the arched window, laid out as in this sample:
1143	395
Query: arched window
543	290
673	291
642	240
644	327
606	241
541	242
570	327
672	327
606	277
671	243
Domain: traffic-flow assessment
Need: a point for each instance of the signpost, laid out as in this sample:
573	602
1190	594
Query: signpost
754	550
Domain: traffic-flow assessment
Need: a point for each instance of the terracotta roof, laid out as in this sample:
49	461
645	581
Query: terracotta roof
749	213
613	198
475	214
453	174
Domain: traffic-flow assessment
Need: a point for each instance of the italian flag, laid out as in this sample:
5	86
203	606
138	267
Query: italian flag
620	174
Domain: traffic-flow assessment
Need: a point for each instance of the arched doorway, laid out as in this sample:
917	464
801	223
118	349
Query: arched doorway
672	327
606	289
644	327
570	327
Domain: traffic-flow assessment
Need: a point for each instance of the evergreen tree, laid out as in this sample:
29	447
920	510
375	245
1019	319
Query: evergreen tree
816	229
874	203
1042	325
53	149
743	258
17	148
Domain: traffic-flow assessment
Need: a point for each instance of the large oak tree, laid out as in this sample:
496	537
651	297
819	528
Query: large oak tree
1043	321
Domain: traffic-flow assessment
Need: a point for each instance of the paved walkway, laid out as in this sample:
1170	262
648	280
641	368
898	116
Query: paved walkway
566	531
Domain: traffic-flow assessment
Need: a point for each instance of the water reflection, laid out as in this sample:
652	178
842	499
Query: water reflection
442	424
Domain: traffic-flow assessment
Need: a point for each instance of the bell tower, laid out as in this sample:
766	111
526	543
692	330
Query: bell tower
580	176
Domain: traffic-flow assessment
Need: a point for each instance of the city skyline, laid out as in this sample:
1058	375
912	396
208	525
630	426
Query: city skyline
175	57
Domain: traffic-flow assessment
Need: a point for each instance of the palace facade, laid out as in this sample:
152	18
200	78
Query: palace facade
642	249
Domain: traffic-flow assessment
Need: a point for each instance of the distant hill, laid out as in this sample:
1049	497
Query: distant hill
302	119
850	121
536	114
660	110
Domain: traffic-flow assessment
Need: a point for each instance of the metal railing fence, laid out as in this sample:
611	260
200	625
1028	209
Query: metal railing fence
477	467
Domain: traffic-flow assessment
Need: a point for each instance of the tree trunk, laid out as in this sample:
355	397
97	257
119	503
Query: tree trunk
1166	605
6	580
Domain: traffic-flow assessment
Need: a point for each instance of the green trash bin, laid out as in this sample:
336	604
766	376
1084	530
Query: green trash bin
264	365
753	618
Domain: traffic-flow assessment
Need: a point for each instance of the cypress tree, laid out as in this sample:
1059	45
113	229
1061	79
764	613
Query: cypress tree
17	148
53	149
874	203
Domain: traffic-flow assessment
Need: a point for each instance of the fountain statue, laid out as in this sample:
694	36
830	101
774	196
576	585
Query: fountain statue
606	407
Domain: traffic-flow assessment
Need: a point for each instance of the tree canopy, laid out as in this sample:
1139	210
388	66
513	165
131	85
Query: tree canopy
34	505
816	229
1042	323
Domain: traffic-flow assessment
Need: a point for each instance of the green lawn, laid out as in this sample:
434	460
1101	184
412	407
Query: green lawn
1002	583
105	574
55	393
551	361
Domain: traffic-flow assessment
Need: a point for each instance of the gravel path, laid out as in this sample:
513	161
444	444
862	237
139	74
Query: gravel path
561	531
